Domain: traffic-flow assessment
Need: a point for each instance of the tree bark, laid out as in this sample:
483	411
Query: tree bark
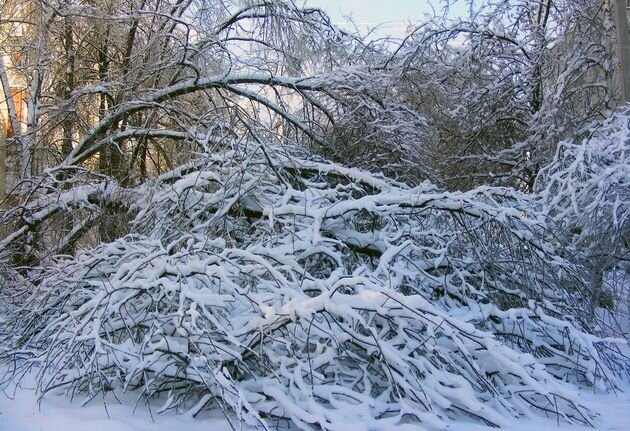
623	46
14	142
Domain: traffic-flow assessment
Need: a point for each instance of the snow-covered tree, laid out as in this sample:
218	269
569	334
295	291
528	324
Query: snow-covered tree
122	91
504	85
586	192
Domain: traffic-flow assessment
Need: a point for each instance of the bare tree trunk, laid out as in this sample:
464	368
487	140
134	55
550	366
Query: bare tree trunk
13	162
67	124
29	139
623	46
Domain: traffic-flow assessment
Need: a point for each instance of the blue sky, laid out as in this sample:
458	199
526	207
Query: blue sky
394	15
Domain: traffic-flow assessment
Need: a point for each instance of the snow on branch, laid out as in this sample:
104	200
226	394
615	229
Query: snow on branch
285	287
590	175
585	190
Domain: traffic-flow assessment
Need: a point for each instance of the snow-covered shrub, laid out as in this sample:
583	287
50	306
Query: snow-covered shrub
586	193
278	286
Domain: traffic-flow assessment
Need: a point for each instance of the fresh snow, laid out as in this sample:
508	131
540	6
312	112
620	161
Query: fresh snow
22	413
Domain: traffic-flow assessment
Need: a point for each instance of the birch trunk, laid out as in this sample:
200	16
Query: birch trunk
12	160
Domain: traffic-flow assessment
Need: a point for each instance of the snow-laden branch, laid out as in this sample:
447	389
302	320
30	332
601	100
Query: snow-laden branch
286	287
88	144
585	190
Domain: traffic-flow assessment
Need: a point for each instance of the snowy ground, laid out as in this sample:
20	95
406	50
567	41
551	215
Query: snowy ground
22	413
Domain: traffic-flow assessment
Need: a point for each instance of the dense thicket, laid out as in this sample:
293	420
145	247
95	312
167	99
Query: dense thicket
188	238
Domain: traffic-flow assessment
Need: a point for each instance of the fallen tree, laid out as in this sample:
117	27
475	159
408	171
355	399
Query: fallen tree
275	285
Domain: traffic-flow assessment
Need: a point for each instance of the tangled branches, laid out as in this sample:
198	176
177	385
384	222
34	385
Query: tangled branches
277	286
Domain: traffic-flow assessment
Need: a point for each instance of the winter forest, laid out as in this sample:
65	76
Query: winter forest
239	206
